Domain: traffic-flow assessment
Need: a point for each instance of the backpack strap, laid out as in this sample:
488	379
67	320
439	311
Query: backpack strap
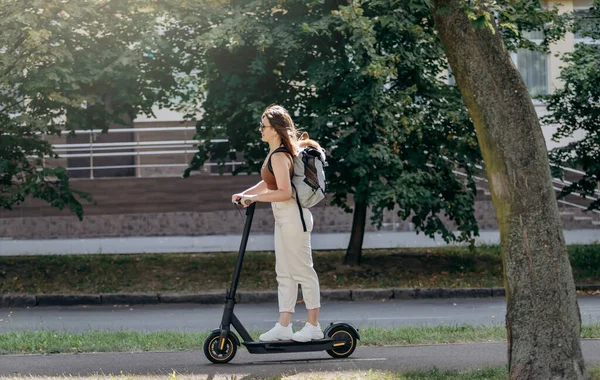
285	150
300	208
280	149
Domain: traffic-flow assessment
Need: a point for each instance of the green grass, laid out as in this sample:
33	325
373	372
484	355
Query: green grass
488	373
485	373
439	334
433	374
51	342
54	342
196	272
437	374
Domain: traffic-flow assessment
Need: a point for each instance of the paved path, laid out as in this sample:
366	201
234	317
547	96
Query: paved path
247	366
229	243
190	317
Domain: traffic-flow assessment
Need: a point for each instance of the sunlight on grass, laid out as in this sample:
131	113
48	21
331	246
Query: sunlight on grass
49	342
484	373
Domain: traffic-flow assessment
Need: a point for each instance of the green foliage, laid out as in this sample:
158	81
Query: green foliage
587	25
585	260
574	108
516	19
251	56
69	65
364	79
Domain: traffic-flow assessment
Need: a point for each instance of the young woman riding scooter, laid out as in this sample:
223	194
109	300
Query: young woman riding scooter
293	255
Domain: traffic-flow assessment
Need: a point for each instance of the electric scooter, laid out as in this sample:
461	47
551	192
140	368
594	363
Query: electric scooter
339	341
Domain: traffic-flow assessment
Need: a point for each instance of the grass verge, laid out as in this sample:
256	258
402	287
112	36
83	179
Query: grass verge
53	342
485	373
196	272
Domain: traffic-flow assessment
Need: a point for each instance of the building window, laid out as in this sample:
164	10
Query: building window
533	65
586	19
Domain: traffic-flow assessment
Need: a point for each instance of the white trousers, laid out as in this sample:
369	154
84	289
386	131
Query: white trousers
293	257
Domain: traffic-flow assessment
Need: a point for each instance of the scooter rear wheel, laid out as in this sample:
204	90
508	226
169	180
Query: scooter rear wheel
345	336
211	349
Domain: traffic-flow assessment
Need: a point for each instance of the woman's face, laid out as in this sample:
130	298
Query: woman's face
266	130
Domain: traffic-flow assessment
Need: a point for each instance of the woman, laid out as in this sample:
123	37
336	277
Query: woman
292	245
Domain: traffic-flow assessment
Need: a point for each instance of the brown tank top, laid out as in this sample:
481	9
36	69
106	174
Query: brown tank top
268	176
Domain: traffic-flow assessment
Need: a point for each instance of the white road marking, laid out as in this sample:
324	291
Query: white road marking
291	361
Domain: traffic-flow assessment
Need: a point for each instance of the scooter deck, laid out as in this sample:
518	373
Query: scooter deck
283	346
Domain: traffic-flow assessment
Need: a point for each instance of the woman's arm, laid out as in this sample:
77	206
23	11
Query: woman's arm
281	168
259	188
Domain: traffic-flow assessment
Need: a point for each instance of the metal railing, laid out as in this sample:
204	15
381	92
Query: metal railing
186	147
182	150
560	201
554	180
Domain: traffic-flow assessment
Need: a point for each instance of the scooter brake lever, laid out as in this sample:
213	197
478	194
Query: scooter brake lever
237	203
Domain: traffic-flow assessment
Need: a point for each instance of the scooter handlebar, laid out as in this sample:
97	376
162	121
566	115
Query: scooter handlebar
246	202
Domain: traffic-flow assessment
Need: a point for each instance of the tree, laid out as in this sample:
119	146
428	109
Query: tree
543	320
394	131
574	108
399	130
67	65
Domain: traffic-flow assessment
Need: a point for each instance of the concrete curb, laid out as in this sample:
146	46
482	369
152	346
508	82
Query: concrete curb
214	298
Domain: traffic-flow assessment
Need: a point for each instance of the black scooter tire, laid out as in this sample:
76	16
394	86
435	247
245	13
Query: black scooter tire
350	339
211	345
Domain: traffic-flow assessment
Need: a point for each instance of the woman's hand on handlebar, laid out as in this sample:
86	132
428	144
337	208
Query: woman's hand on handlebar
236	197
247	200
244	200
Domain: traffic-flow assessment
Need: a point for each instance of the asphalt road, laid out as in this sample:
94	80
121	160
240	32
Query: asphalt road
247	366
190	317
262	316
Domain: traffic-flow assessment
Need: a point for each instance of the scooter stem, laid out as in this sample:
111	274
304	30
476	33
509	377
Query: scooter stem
228	316
240	258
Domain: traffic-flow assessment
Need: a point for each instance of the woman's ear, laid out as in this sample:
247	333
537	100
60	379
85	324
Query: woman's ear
304	136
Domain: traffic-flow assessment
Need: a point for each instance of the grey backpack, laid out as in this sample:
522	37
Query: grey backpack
308	179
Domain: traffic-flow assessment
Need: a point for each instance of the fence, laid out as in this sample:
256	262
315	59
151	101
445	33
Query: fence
148	150
148	143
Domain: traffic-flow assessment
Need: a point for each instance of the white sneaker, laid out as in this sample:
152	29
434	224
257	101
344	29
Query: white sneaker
308	332
277	333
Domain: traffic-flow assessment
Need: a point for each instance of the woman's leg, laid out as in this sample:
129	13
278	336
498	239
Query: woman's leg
287	291
313	316
299	243
287	287
285	318
299	255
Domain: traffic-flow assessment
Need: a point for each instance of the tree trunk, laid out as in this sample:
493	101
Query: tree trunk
354	250
542	319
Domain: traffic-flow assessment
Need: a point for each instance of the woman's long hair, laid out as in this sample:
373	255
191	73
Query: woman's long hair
280	119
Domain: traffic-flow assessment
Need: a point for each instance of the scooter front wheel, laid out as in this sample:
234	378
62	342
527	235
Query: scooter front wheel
212	345
346	341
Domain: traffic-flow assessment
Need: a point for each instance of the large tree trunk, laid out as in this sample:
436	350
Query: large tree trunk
357	235
542	318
